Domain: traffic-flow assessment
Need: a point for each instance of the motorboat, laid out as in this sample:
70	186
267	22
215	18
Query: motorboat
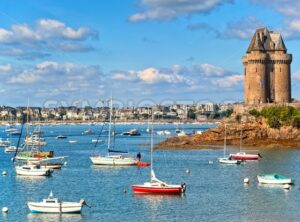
55	205
133	132
12	149
33	170
119	160
274	179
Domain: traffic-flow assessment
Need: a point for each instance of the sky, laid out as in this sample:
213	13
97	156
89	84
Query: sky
66	52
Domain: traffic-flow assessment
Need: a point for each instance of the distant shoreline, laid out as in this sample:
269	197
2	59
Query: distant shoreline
129	122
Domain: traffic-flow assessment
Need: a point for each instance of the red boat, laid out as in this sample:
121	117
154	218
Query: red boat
245	156
142	164
155	186
158	187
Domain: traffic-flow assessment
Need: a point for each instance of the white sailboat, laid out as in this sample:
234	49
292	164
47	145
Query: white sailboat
109	159
227	159
55	205
156	186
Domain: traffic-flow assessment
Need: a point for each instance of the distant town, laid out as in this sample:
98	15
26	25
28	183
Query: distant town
197	112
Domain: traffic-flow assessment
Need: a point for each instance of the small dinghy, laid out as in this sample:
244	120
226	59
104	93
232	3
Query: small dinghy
274	179
229	160
61	137
55	205
72	141
142	164
33	170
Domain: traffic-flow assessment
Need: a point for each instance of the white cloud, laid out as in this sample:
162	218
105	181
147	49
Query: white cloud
55	74
212	70
152	76
170	9
49	28
285	7
36	41
243	28
5	36
229	81
128	76
6	68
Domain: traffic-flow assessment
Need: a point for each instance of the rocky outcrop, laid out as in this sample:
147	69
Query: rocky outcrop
252	134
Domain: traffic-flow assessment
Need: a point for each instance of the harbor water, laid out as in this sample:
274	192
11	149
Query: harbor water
214	192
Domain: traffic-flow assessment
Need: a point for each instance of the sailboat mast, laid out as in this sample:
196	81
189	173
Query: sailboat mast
27	124
109	126
151	148
225	141
241	133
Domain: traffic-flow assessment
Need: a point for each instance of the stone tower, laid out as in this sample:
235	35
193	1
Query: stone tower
267	69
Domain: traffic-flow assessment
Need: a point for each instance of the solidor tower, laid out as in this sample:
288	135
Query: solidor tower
267	75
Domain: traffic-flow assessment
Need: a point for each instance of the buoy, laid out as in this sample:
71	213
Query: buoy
65	163
210	162
286	186
187	171
125	190
4	209
4	173
246	180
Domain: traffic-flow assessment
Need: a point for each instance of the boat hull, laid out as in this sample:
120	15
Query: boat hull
37	172
114	161
141	189
228	161
55	207
245	156
263	180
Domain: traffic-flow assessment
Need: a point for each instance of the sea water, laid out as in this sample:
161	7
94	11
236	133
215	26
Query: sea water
214	192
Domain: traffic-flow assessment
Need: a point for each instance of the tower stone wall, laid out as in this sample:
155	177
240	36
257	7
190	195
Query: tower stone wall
267	69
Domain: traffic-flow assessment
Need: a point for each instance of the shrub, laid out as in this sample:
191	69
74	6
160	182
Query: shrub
296	122
274	122
254	112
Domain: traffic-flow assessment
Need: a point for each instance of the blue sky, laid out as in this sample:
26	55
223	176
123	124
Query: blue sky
65	52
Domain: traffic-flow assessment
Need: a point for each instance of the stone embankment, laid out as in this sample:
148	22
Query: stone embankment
256	134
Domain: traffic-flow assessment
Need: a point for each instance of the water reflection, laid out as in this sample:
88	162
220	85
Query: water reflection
54	217
155	201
